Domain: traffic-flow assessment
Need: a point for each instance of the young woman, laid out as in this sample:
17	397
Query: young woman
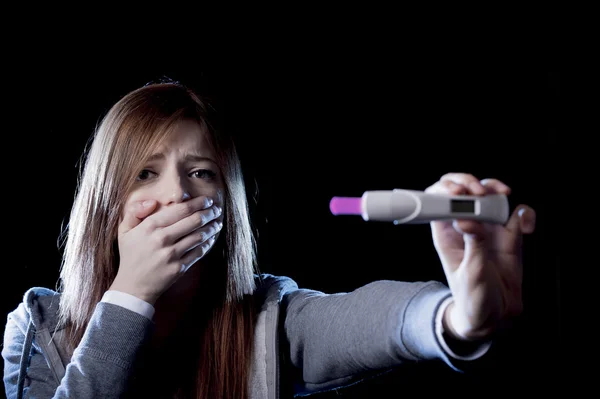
160	294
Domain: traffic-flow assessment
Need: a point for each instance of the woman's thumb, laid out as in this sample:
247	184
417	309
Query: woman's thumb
522	220
135	214
145	208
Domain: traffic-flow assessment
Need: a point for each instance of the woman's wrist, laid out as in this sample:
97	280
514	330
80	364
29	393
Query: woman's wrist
118	286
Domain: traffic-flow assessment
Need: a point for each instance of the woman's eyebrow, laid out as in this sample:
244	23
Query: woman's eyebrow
190	157
156	156
197	158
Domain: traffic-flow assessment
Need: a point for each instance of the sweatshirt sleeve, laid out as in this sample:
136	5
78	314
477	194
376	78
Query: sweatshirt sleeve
130	302
335	339
99	366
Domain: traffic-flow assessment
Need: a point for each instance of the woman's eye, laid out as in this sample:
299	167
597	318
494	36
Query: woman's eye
203	174
144	175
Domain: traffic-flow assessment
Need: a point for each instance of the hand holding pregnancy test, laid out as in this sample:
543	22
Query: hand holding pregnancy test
412	207
483	264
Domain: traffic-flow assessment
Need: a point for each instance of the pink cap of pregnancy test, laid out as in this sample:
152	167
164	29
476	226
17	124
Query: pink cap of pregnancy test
346	205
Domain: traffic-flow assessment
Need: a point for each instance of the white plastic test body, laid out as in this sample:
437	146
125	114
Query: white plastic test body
412	207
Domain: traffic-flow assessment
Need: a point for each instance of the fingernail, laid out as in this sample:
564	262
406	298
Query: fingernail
528	217
147	203
209	201
218	210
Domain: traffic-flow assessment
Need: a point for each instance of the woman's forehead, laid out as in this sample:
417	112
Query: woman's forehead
187	138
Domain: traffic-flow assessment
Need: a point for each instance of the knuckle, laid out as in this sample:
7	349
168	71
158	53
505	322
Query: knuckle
170	254
206	244
150	225
458	177
202	250
468	177
198	218
173	269
434	187
160	238
186	208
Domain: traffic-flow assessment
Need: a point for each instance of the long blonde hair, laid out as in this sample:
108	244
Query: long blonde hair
126	136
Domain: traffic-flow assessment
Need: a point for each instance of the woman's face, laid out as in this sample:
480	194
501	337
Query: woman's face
183	167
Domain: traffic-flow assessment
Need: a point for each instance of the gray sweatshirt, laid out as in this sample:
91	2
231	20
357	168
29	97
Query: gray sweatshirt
325	341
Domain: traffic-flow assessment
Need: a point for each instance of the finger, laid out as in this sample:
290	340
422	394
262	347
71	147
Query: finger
469	227
177	212
446	187
196	254
473	234
144	209
197	237
495	186
469	181
522	220
135	213
190	223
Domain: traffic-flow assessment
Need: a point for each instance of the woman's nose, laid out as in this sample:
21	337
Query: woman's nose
175	192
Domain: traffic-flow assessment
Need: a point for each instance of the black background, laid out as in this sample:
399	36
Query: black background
315	116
